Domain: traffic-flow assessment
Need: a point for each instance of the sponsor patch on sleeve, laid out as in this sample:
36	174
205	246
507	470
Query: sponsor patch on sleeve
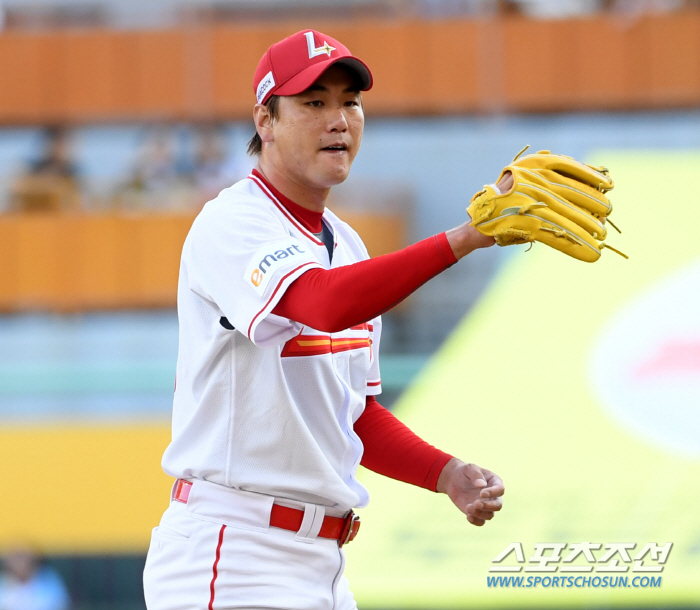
271	258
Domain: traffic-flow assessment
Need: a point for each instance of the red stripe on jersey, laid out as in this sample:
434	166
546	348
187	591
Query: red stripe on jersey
317	345
345	345
363	326
215	567
284	210
272	296
307	345
374	383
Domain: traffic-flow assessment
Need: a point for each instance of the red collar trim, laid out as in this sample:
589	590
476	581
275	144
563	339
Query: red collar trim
309	219
268	193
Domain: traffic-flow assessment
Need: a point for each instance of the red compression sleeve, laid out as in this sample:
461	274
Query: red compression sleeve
393	450
335	299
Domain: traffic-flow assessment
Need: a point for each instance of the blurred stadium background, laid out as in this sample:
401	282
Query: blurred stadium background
119	120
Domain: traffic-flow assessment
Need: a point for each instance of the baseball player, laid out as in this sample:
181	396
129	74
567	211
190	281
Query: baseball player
278	371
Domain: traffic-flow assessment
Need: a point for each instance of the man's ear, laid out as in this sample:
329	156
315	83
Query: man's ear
263	122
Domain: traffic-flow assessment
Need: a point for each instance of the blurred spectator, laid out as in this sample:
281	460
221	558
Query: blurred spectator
558	9
156	168
546	9
638	7
170	176
158	181
212	170
26	583
448	8
50	183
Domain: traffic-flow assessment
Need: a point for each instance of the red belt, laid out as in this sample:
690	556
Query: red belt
342	529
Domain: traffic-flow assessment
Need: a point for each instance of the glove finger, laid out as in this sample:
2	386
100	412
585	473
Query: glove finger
578	193
597	178
560	205
543	225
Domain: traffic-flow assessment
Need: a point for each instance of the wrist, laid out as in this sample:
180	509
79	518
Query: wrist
465	239
446	475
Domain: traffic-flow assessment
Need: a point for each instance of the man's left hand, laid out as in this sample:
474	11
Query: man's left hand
477	492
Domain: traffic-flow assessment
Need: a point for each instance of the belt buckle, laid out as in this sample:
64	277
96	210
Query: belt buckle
350	529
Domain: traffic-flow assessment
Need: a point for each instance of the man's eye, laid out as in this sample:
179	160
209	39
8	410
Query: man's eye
351	103
316	103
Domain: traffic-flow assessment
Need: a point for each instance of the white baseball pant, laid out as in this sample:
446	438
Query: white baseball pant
218	552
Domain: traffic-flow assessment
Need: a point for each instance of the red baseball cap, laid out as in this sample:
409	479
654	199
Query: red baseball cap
292	65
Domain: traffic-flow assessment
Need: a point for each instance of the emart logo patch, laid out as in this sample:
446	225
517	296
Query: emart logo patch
268	260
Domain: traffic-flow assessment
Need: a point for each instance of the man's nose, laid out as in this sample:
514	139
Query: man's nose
337	120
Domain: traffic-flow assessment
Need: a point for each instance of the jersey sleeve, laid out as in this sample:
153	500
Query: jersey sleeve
240	256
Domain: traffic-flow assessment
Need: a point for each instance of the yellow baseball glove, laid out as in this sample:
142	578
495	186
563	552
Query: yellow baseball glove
554	200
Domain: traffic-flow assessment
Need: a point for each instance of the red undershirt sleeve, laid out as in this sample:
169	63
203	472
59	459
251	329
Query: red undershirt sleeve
331	300
393	450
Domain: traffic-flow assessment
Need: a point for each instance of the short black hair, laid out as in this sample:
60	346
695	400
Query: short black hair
255	144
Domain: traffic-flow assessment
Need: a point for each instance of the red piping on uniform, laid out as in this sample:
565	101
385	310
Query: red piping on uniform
310	219
272	296
284	210
214	569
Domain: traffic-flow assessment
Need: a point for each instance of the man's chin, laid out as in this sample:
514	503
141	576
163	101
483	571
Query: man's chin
334	178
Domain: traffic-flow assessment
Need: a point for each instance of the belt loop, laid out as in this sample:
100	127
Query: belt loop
181	491
311	523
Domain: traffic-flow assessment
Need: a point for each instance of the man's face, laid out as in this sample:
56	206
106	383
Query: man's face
317	133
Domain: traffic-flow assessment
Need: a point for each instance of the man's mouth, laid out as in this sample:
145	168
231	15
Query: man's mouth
336	148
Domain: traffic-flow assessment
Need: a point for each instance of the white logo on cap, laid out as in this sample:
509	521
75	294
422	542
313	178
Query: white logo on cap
265	85
316	51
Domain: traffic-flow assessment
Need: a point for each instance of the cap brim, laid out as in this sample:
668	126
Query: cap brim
307	77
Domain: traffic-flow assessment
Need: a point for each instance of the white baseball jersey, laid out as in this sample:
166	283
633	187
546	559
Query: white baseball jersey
269	405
